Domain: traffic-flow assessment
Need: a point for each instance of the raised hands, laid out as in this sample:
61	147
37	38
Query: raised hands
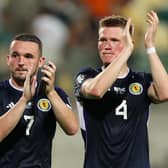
127	36
29	86
153	21
49	71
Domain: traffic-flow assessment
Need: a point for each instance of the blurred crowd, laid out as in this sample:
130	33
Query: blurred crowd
68	30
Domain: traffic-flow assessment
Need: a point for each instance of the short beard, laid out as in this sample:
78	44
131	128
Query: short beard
106	65
19	81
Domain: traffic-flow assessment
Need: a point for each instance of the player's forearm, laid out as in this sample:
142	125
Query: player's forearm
64	115
159	75
9	120
99	85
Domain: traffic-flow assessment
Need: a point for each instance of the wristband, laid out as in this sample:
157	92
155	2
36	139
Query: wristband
151	50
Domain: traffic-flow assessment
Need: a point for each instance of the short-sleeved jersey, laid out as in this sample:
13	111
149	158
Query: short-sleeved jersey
114	128
30	142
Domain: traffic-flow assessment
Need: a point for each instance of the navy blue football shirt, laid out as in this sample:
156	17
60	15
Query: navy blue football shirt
29	144
114	128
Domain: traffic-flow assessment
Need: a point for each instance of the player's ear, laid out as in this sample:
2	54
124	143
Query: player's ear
42	61
7	59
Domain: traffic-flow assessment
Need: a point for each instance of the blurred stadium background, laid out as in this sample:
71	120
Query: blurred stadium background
68	29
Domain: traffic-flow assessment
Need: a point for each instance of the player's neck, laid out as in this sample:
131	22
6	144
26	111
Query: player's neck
15	84
124	72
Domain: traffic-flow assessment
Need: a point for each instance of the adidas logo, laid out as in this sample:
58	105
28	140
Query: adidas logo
10	105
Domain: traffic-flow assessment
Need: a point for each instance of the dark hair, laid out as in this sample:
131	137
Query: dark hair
29	37
115	21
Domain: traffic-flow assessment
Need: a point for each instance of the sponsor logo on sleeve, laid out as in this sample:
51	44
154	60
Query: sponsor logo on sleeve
80	78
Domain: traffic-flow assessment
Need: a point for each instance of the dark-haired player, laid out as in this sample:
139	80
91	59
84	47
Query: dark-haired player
27	117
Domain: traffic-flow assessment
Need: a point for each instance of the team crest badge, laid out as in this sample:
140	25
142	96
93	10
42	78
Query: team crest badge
135	88
44	105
